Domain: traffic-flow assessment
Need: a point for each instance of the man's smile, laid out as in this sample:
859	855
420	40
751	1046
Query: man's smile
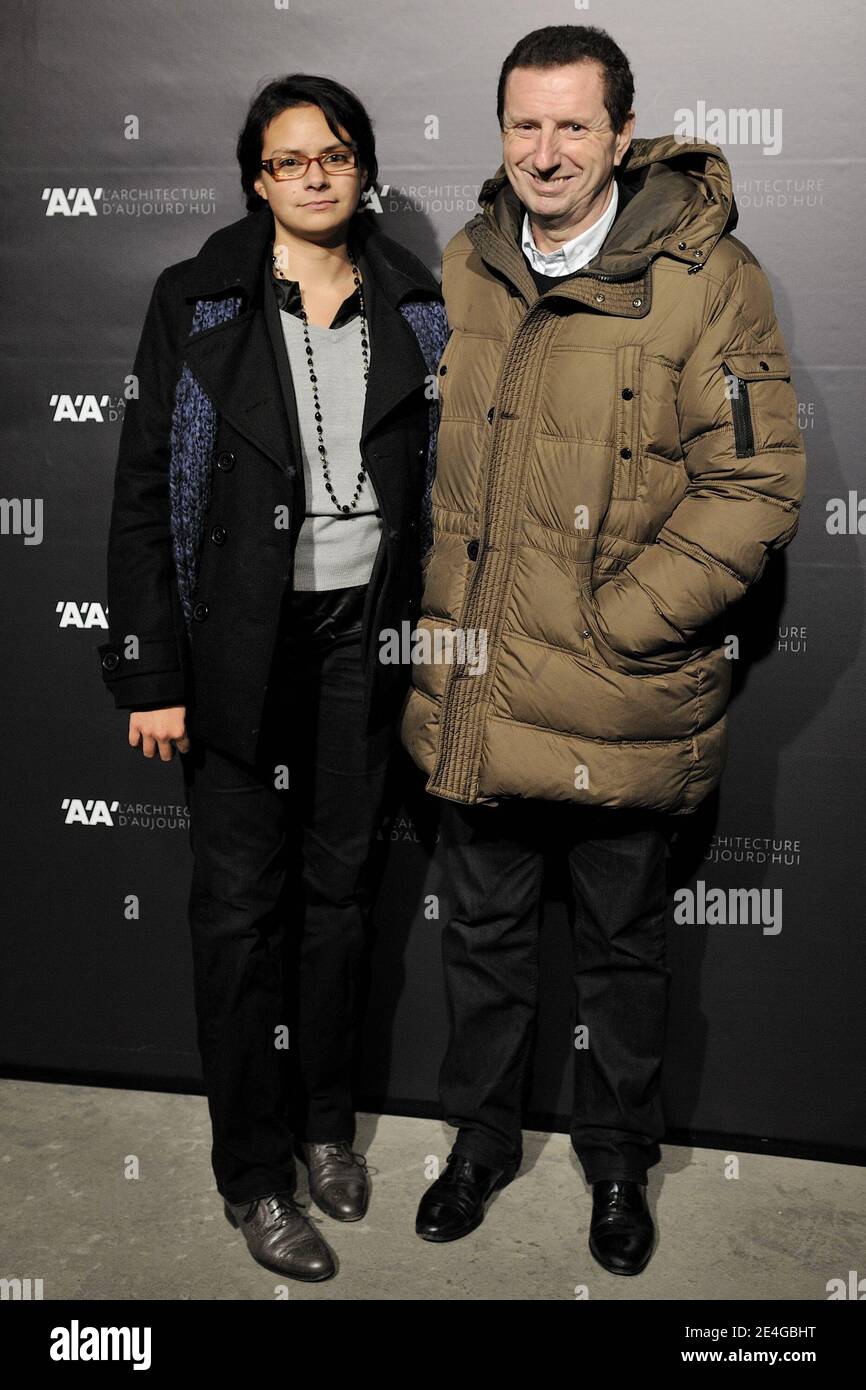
553	183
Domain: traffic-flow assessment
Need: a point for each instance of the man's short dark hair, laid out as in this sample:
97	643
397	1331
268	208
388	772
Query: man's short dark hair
338	105
558	44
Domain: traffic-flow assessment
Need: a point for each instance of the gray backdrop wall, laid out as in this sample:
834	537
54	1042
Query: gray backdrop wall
118	143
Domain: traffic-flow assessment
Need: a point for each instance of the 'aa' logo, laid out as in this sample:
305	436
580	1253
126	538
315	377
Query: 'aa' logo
79	408
371	201
88	812
70	202
83	615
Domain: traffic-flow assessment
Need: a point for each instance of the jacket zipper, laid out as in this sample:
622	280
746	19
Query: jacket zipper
623	275
744	436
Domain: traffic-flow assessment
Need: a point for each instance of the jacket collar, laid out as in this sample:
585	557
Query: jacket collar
677	200
231	258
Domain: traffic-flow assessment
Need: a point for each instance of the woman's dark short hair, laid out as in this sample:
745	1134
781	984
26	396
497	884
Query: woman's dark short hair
338	105
558	44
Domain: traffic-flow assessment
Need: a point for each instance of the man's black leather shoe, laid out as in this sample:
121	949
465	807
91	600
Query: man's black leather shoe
454	1204
621	1232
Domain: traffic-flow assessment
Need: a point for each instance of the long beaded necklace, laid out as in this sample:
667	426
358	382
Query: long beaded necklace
341	507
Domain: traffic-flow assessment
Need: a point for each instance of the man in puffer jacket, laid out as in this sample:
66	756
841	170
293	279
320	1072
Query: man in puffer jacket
618	454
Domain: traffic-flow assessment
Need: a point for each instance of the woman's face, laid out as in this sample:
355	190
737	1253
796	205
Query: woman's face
318	205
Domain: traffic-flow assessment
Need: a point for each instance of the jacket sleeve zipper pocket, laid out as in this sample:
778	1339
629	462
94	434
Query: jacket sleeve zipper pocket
744	437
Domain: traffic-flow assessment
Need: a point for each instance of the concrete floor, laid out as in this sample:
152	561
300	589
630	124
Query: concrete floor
782	1229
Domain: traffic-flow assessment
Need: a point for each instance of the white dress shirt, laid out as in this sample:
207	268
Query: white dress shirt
574	254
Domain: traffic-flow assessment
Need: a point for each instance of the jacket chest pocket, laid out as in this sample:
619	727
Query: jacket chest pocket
751	402
627	433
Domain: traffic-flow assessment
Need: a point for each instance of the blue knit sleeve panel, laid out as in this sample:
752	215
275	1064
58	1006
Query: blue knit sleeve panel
192	440
427	320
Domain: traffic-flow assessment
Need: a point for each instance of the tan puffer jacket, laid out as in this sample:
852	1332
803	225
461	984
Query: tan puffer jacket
616	459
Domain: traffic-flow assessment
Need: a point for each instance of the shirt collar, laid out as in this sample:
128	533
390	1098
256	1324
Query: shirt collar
288	295
574	254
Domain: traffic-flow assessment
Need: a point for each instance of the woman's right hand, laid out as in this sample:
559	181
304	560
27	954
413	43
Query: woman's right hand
164	729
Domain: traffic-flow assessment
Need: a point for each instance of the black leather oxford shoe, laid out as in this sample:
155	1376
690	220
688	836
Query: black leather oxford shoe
455	1203
621	1232
281	1238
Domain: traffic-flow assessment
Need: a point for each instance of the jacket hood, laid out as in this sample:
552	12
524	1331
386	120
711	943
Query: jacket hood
677	200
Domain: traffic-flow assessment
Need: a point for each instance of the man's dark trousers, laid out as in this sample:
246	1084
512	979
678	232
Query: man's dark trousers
278	902
492	858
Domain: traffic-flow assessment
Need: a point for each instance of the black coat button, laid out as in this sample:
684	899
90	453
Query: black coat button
199	612
413	525
442	370
472	549
225	459
625	453
490	414
110	661
421	452
627	394
218	535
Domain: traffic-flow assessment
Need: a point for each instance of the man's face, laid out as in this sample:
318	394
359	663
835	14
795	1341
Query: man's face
319	203
558	147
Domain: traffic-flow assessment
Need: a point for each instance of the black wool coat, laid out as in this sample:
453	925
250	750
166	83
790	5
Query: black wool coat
222	668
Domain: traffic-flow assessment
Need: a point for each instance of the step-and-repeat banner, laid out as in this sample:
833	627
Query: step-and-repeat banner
118	158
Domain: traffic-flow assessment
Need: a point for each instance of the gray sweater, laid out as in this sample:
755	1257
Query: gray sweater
333	551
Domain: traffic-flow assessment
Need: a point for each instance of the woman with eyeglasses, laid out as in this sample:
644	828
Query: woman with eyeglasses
271	511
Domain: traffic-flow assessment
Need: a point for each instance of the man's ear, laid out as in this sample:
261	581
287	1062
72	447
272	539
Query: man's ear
625	135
